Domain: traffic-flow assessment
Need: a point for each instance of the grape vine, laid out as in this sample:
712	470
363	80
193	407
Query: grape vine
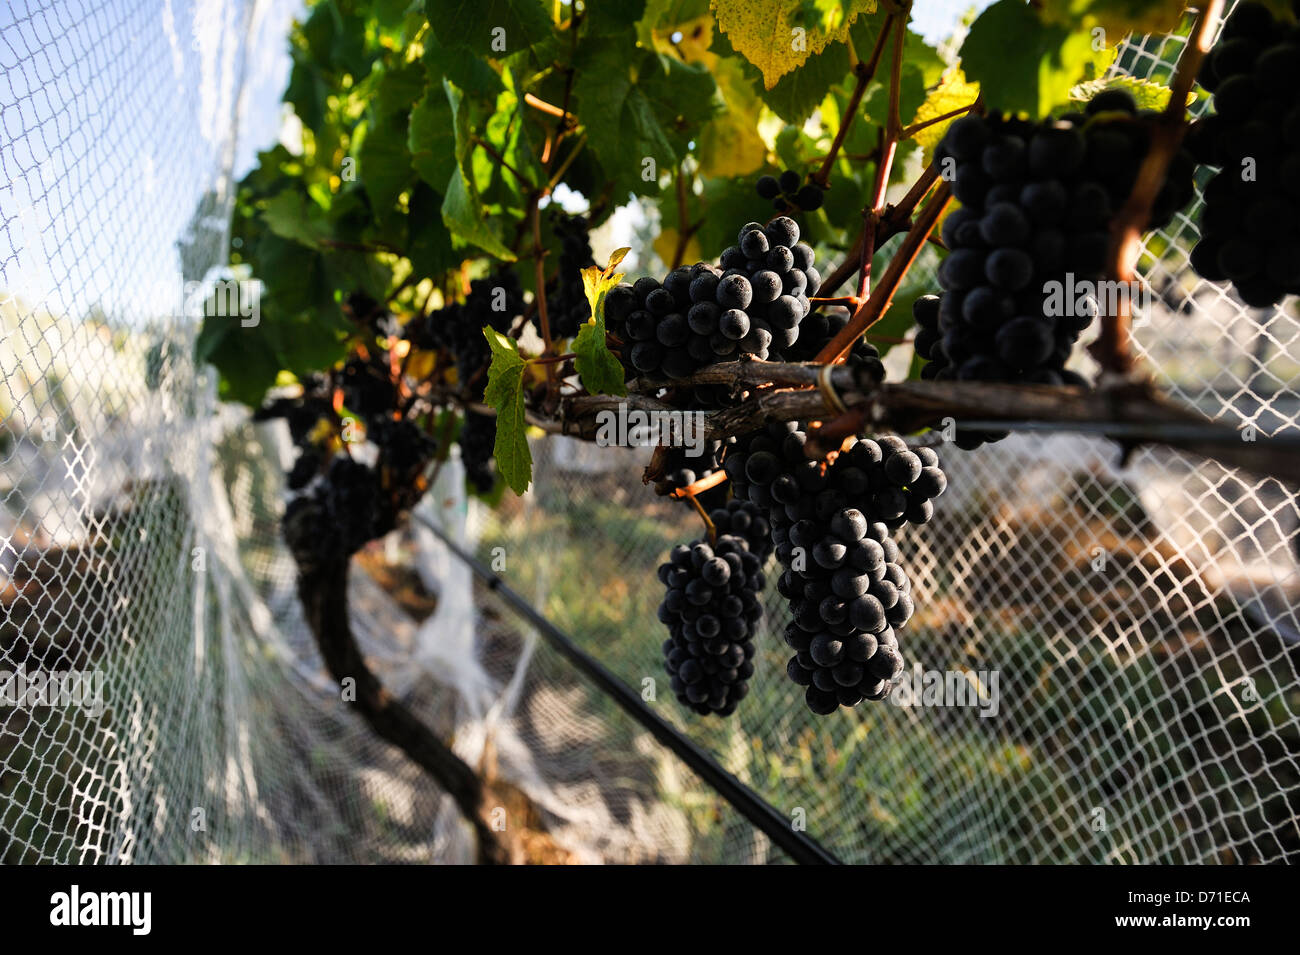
452	297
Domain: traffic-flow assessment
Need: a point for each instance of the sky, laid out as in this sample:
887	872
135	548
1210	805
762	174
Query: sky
115	117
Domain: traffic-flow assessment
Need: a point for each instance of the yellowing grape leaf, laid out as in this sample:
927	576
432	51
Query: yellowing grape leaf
953	92
666	245
1146	93
600	372
777	36
420	364
694	42
730	145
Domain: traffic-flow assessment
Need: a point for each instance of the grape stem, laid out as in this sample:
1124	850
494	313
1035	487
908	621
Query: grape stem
865	72
874	306
885	165
702	485
406	283
915	128
564	166
1113	347
895	220
1133	413
709	526
501	161
550	359
540	104
534	215
684	230
373	247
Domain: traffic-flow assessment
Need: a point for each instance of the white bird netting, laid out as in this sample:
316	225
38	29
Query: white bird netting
1135	625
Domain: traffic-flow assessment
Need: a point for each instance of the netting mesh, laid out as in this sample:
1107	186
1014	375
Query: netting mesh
1135	624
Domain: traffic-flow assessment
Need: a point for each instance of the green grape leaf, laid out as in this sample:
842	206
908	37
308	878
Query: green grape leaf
428	243
462	210
293	216
682	98
472	74
311	340
431	139
600	371
1023	64
348	53
399	86
318	33
661	19
797	94
490	28
649	108
307	94
794	147
508	132
463	215
505	393
391	13
245	361
952	93
603	19
654	15
384	161
288	271
911	94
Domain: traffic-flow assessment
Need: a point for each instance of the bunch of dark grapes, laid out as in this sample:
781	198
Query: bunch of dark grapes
774	273
891	483
336	516
702	314
1250	227
493	301
478	436
367	385
747	520
567	307
846	589
820	327
671	328
1037	200
302	413
365	311
789	193
404	451
711	608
